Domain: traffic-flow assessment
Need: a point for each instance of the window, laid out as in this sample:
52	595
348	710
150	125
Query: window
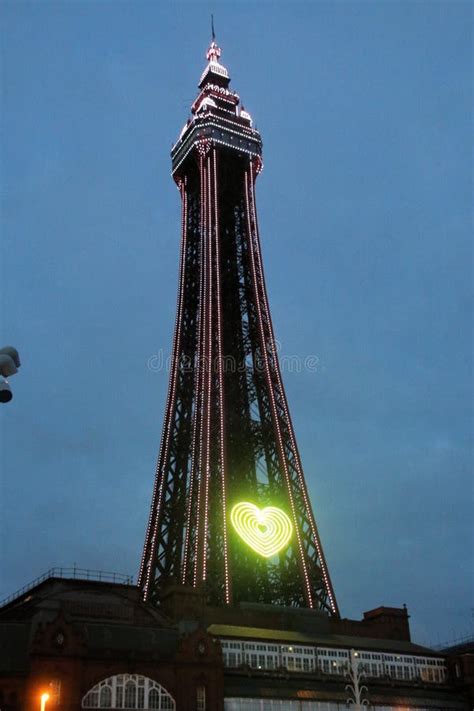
128	691
130	695
105	697
201	698
154	699
93	699
232	659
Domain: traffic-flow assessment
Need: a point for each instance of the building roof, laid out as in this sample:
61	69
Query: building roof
84	599
464	646
330	640
100	618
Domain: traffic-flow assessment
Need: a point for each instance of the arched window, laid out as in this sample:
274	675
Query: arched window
128	691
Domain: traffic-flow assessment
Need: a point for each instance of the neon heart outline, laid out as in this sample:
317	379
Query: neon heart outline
246	519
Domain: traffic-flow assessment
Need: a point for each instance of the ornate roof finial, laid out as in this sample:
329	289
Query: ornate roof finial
215	72
214	52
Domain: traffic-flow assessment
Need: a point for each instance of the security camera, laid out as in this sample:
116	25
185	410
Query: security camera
9	361
9	364
5	391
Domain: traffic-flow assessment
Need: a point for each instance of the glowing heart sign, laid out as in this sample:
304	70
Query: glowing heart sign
266	530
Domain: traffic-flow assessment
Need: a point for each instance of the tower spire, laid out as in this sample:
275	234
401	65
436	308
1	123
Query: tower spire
215	72
214	51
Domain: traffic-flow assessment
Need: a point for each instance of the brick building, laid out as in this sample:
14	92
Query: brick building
96	644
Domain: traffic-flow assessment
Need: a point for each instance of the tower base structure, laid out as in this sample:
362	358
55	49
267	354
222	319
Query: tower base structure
184	602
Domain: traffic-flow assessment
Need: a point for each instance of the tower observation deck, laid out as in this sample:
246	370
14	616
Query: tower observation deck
230	510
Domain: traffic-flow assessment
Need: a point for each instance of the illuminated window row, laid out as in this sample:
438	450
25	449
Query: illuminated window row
249	704
330	661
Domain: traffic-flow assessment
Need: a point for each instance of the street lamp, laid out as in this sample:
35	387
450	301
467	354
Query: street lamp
44	699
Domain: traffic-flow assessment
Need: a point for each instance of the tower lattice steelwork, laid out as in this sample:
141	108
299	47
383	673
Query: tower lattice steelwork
227	435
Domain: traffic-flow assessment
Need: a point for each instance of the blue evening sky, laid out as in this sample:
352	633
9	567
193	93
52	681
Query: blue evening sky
365	109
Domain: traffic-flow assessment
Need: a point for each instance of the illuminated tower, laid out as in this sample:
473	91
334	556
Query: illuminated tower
230	511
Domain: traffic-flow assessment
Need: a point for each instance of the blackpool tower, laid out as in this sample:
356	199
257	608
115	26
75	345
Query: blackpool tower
230	510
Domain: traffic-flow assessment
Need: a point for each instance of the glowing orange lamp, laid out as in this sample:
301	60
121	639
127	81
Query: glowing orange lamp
44	699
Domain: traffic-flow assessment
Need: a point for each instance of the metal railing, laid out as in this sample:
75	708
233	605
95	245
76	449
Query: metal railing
459	642
71	573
